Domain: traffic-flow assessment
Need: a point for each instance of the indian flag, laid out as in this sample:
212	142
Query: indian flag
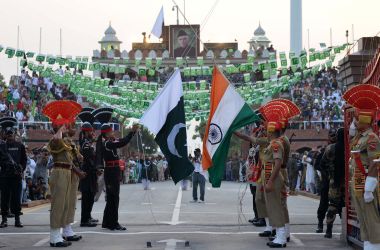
228	112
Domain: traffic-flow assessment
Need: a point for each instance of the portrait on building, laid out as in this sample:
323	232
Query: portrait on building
184	40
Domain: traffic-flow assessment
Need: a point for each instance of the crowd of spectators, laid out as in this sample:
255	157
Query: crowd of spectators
26	95
320	100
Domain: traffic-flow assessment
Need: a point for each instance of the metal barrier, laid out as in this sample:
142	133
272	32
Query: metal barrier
48	125
315	124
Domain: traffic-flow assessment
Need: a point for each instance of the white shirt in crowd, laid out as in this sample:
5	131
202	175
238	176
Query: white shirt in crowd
35	81
15	95
19	115
197	165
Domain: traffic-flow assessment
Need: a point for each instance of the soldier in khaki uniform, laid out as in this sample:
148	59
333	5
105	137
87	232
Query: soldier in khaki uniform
76	174
61	113
273	159
263	142
364	171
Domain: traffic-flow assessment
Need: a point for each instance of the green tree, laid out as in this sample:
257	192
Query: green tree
2	79
135	145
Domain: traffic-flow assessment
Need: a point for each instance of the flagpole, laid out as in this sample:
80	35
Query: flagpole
330	37
39	47
60	41
18	45
184	12
353	38
308	43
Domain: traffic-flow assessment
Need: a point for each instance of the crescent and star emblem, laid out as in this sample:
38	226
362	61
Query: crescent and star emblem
171	139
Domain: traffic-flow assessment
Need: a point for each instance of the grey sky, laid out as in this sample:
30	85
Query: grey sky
84	22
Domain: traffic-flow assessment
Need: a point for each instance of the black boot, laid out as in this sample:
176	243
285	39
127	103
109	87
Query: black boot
18	222
4	221
260	223
320	227
329	231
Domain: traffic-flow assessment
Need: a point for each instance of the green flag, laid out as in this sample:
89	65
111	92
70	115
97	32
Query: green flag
1	48
273	64
148	62
284	62
51	60
179	61
142	71
10	52
311	57
247	77
158	61
200	61
282	55
166	119
250	58
40	58
20	53
295	61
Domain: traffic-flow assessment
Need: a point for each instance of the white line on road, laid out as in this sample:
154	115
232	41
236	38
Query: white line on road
177	208
41	242
143	233
297	241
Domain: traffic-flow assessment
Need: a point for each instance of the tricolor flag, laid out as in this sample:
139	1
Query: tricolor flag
228	112
166	119
159	24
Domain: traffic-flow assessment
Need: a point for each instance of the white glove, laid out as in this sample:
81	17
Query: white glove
369	188
368	196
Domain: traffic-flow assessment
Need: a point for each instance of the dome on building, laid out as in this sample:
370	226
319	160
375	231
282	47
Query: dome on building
110	31
259	31
110	36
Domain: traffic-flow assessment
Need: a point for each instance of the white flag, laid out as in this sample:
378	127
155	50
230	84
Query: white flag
157	28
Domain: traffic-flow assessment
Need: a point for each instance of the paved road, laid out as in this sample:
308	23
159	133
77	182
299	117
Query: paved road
165	217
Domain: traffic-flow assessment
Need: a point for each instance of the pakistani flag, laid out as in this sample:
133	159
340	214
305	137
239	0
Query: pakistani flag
166	119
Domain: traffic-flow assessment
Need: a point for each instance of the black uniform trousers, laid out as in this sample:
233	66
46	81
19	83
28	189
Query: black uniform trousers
88	199
10	195
112	183
253	192
324	201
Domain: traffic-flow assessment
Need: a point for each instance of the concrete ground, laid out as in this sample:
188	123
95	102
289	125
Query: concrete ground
165	217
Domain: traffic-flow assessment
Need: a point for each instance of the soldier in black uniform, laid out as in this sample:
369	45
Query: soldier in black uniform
107	156
324	198
88	185
11	172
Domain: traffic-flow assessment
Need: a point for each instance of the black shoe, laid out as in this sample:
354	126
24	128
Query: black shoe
275	245
265	234
18	224
106	227
319	228
260	223
271	238
3	224
120	228
94	220
73	238
253	220
60	244
88	224
328	234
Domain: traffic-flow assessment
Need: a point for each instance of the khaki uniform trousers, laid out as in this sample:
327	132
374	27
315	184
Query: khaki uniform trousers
74	183
260	201
274	202
284	192
60	185
369	216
